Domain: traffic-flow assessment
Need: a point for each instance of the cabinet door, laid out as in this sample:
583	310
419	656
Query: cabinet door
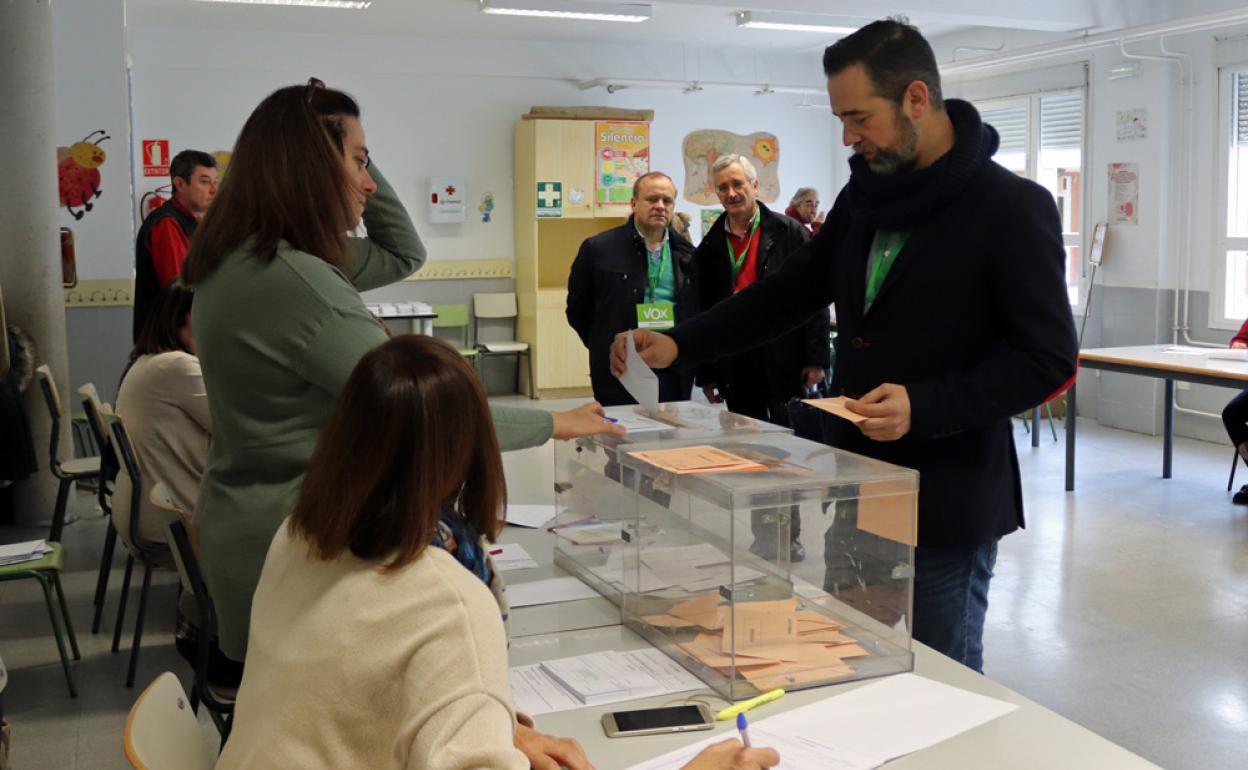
565	153
562	360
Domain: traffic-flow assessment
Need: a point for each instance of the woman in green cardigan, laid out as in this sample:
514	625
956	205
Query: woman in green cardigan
279	323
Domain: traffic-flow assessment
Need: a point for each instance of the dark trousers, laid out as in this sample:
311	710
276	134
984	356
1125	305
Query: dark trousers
951	600
1235	418
748	394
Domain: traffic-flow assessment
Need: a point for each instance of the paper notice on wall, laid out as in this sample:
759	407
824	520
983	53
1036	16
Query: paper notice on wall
1124	193
1132	125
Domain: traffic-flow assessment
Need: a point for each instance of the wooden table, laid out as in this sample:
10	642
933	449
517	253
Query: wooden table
1170	363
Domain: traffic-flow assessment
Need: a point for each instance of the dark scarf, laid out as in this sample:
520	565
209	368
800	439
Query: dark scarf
904	201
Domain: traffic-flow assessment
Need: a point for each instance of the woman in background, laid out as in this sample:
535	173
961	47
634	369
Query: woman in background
804	207
163	404
377	634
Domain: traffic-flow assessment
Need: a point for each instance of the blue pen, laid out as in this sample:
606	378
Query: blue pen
610	419
743	727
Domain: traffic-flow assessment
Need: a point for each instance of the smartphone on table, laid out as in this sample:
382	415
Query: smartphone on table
658	721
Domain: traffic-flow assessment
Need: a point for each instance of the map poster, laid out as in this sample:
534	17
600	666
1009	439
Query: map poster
622	152
702	148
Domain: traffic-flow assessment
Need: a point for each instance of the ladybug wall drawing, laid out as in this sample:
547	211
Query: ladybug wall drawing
78	173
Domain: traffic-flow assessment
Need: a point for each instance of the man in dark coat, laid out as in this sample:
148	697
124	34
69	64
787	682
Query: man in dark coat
947	272
747	243
642	265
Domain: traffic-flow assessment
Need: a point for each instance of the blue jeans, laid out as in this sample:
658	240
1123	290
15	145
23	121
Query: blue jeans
951	600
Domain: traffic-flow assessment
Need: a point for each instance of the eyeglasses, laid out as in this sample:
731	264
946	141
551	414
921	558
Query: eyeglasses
314	84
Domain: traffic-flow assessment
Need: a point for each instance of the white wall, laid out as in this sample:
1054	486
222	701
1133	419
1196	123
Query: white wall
88	40
449	107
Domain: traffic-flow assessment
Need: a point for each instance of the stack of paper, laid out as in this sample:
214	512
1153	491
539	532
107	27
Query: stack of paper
769	643
32	550
510	556
863	728
597	679
702	458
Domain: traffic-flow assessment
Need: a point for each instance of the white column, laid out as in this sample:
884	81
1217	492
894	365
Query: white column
30	257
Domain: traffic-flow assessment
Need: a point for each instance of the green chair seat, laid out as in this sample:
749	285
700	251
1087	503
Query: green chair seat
47	571
50	561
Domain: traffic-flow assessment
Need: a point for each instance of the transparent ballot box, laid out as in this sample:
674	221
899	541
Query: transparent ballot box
703	559
594	492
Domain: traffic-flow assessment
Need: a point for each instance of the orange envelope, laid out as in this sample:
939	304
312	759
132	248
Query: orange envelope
698	459
835	406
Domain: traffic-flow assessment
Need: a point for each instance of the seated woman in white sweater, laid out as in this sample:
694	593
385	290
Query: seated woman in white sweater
163	404
377	635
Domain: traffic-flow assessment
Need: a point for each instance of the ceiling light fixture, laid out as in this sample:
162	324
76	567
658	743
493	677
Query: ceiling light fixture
355	5
789	22
568	9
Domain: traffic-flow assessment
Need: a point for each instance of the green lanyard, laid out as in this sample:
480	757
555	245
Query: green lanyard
737	260
884	257
655	272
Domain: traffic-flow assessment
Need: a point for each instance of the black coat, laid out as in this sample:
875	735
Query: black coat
608	280
972	318
807	345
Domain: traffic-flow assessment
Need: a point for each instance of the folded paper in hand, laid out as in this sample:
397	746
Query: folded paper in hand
835	406
640	380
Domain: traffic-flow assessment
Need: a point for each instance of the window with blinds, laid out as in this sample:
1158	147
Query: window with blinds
1061	121
1239	108
1011	125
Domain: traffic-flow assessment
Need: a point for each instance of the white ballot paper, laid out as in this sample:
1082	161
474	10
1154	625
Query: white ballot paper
548	591
531	516
510	556
646	673
640	380
863	728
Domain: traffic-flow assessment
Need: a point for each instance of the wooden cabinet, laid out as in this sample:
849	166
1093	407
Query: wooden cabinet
552	151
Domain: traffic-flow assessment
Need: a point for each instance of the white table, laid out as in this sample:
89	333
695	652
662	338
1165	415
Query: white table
1029	738
1154	361
420	314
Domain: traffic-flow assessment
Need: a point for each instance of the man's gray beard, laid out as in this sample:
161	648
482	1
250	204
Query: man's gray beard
901	158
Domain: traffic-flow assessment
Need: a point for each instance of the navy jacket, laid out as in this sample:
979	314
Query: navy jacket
608	280
972	318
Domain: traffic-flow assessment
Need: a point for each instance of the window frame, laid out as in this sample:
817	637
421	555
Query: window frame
1225	243
1031	101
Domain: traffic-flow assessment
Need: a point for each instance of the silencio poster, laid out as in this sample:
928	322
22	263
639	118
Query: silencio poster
622	150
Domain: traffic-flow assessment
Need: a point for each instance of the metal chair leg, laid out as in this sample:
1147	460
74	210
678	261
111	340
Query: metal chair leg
121	606
1048	410
69	624
138	623
58	513
44	583
532	382
101	582
1234	462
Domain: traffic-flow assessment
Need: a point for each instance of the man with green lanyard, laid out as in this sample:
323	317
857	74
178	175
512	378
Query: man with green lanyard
948	275
746	244
638	275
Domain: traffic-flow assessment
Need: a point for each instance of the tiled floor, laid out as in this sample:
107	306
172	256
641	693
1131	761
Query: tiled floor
1123	606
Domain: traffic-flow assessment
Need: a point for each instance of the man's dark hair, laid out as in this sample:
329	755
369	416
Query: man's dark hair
894	54
183	164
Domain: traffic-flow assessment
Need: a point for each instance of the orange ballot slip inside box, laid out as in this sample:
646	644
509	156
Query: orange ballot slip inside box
835	406
697	459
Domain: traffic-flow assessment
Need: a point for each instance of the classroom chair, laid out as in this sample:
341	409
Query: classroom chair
99	415
47	571
456	317
220	705
132	514
69	471
501	305
162	732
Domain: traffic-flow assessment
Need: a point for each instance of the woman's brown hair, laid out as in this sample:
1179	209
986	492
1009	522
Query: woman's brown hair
411	436
286	181
162	331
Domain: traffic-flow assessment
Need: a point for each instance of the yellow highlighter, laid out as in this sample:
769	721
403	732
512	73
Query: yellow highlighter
745	705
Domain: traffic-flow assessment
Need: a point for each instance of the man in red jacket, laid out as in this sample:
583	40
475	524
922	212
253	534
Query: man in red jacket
165	237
